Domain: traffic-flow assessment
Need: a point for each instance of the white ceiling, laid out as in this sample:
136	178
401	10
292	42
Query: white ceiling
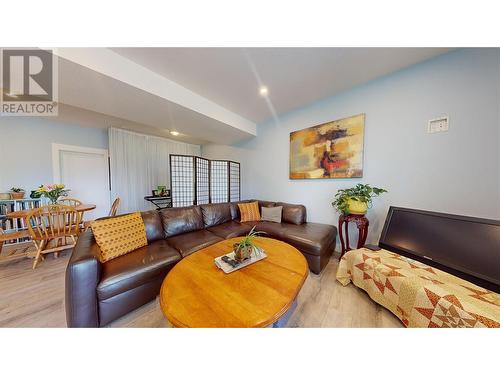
294	76
80	87
211	95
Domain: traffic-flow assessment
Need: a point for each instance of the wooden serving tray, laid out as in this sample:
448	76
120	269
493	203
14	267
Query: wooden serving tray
227	268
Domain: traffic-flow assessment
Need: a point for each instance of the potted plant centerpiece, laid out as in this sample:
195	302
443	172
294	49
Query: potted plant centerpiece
17	193
53	192
356	200
243	250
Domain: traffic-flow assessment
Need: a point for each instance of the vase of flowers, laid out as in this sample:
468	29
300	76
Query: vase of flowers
53	192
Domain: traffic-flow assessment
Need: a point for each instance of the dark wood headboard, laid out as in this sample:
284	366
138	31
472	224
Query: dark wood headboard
467	247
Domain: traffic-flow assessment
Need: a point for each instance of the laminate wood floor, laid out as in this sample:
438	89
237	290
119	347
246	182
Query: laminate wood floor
35	298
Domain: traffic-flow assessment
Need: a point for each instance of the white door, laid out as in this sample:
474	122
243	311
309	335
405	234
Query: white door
85	171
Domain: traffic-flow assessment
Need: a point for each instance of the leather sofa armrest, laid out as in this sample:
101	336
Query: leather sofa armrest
82	276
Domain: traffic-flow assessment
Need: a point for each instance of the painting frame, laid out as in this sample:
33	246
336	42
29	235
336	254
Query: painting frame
330	150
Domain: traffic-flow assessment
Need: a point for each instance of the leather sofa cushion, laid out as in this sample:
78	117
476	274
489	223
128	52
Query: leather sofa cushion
311	238
136	268
181	220
274	230
266	204
215	214
293	213
123	303
154	228
188	243
230	229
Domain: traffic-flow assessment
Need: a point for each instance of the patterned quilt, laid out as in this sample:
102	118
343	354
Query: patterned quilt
419	295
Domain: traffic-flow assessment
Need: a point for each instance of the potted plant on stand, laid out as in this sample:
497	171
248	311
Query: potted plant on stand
353	203
356	200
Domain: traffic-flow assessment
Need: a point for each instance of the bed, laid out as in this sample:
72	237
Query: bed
431	269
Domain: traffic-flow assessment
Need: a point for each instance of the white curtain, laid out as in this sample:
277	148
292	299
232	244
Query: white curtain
139	163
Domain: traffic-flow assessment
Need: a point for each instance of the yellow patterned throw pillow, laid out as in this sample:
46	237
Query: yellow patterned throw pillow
249	211
119	235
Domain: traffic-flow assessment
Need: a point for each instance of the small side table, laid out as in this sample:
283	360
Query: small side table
160	201
361	222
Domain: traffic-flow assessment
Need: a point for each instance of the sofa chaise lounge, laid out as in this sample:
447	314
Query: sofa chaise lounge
98	293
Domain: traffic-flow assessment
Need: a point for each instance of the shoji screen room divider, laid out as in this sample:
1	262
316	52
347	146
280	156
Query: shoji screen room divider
195	180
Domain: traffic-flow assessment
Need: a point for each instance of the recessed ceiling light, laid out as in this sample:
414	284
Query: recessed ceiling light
174	133
263	91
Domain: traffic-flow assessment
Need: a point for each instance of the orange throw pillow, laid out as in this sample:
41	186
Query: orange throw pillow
249	211
119	235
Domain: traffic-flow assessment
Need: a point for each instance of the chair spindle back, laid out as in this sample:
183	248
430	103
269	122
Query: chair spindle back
53	221
114	207
69	202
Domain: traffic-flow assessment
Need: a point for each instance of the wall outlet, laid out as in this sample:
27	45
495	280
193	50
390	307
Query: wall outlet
440	124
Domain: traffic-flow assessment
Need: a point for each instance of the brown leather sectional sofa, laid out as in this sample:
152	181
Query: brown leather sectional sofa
98	293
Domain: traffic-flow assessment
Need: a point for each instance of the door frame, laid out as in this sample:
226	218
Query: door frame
56	162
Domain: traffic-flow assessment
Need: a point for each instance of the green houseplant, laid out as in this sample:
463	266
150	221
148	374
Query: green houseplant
243	249
356	200
17	193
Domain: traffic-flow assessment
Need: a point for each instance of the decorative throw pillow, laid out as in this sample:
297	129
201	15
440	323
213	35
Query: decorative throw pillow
119	235
249	211
272	214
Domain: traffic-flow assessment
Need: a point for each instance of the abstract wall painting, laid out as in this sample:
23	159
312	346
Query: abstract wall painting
330	150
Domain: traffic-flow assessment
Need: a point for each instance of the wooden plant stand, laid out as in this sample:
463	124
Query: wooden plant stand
362	224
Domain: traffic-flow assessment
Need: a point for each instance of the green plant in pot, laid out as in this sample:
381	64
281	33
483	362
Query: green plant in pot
243	250
17	193
356	200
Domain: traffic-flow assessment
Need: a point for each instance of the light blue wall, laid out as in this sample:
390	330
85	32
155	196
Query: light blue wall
26	148
457	171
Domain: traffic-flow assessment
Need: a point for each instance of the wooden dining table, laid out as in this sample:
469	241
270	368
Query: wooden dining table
27	251
22	214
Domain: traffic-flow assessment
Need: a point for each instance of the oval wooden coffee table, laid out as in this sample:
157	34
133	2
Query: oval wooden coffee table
196	293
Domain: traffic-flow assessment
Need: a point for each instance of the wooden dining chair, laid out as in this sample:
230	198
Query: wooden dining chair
73	202
112	212
53	225
17	250
114	207
69	202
